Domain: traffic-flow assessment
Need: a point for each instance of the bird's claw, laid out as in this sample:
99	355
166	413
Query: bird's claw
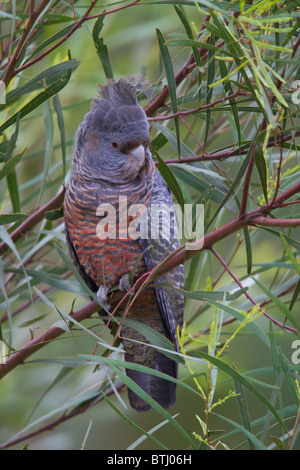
102	297
124	283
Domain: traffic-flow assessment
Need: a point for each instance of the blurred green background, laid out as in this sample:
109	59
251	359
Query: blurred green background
133	49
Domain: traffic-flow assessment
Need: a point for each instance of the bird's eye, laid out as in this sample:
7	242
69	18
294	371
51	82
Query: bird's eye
115	145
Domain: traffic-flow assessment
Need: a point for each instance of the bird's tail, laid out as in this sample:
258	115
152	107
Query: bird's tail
161	390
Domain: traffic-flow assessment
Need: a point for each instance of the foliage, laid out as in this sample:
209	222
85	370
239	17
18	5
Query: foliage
223	105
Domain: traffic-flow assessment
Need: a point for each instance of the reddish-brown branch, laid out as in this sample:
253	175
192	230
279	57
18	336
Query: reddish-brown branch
195	110
227	153
135	2
275	222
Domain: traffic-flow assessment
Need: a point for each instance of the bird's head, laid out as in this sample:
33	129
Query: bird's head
113	140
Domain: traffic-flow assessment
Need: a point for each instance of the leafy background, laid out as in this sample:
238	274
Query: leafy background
245	394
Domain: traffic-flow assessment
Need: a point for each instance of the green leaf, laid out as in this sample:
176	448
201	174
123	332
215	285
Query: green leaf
9	218
55	214
288	377
189	33
49	41
240	317
233	186
61	127
4	157
290	254
295	295
42	97
242	402
209	295
135	426
49	126
293	242
146	434
261	166
248	249
245	431
210	80
170	180
171	81
13	189
52	280
199	185
228	89
51	75
9	166
101	48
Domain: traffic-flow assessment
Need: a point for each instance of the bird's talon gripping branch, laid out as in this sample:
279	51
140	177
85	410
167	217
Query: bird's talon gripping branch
124	284
102	297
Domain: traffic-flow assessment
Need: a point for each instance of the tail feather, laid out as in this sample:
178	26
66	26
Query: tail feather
161	390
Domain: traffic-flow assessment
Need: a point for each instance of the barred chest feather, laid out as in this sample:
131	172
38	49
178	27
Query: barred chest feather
106	258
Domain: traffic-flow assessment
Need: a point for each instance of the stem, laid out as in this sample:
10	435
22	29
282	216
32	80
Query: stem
195	110
226	153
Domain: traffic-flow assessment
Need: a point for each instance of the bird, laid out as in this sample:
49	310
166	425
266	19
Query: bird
112	162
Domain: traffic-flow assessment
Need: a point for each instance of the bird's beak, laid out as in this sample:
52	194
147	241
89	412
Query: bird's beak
138	155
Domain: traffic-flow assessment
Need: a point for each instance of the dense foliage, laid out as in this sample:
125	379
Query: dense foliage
222	97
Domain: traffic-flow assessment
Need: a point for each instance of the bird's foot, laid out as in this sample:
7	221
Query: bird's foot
124	283
102	297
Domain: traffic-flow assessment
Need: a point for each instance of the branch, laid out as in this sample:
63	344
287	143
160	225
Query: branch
275	222
228	153
195	110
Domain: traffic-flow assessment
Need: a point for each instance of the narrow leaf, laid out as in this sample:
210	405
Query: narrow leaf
101	48
166	58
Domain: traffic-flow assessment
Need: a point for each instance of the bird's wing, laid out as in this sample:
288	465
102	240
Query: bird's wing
87	279
156	248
